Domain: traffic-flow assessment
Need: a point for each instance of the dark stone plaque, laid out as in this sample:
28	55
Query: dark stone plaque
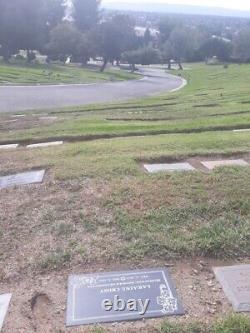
120	296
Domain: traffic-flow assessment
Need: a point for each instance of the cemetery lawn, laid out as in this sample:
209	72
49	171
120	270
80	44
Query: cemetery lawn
98	209
214	99
32	74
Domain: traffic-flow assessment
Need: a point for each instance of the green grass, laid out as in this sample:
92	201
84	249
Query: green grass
195	214
167	216
55	260
192	231
96	193
230	324
31	74
213	100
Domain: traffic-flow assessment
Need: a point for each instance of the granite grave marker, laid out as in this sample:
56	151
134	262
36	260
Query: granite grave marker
214	164
48	118
235	281
121	296
5	147
4	304
18	115
242	130
45	144
153	168
23	178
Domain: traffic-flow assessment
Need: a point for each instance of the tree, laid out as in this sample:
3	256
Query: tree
142	56
147	37
8	28
216	47
54	15
84	49
67	41
167	53
54	12
86	14
132	58
8	41
115	37
165	26
241	45
180	45
24	24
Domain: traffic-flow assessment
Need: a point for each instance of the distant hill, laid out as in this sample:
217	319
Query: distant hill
174	9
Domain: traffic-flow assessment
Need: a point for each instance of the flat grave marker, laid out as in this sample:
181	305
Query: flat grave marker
18	115
121	296
23	178
12	146
9	121
48	118
215	164
235	281
153	168
4	304
45	144
242	130
39	114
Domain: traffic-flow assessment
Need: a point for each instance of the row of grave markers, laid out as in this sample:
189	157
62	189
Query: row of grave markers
56	143
34	145
87	294
43	116
36	176
87	291
185	166
138	294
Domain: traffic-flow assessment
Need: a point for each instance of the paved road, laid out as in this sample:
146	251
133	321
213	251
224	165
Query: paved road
20	98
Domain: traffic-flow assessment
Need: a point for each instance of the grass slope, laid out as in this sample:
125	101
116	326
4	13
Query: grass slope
215	98
99	210
31	74
161	215
202	214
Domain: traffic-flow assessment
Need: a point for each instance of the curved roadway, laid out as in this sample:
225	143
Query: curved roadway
20	98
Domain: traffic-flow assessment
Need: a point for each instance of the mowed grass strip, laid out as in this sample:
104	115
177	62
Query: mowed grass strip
96	127
118	157
30	74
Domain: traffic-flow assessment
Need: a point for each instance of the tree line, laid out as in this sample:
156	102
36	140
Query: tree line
80	30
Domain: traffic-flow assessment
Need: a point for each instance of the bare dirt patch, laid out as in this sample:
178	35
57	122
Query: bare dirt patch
27	122
42	309
201	295
39	220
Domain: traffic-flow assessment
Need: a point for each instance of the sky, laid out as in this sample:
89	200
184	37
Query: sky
230	4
